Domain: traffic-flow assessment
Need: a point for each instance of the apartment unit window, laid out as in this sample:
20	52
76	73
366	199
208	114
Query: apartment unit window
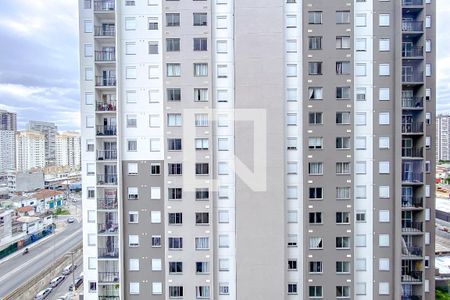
134	288
342	168
176	292
315	267
174	120
343	17
201	218
292	289
361	44
200	95
342	217
201	120
132	145
342	193
172	44
201	243
224	289
315	42
202	292
175	218
173	19
292	240
174	94
342	292
361	94
201	194
291	70
315	68
315	218
175	193
384	45
384	70
291	21
175	168
201	144
156	288
153	48
360	217
361	20
133	217
291	46
343	42
90	146
223	216
343	117
315	193
342	92
91	193
156	241
200	44
201	267
152	23
315	142
200	19
343	67
130	23
292	264
343	143
224	264
175	243
315	168
131	121
201	70
174	144
343	267
155	169
173	70
291	119
383	20
342	242
314	17
133	240
315	118
315	93
175	267
201	169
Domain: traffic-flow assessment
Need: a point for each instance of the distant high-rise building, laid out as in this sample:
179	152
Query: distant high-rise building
30	154
68	147
8	127
443	137
49	130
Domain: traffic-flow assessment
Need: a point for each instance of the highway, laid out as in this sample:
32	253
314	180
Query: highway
63	288
18	269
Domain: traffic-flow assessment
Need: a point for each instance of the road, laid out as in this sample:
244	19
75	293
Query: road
20	268
63	288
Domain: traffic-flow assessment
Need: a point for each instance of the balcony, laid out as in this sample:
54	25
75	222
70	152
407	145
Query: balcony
108	253
408	52
105	81
105	56
107	179
412	26
109	106
107	203
412	77
412	102
412	276
104	5
108	277
410	226
102	31
410	202
411	298
412	2
106	130
107	155
110	227
412	251
414	127
412	152
108	297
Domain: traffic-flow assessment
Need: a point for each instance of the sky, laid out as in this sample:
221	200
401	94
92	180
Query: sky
39	70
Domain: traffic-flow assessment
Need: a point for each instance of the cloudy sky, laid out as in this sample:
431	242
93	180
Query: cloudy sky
39	60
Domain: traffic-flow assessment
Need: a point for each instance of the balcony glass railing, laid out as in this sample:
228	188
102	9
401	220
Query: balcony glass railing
106	179
412	76
412	102
106	106
412	26
412	177
411	298
410	226
107	203
104	5
109	227
105	81
104	31
106	154
108	277
412	276
412	251
414	127
108	252
105	55
412	152
412	202
412	51
108	130
412	2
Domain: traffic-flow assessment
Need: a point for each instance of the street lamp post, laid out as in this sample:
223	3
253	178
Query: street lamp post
73	271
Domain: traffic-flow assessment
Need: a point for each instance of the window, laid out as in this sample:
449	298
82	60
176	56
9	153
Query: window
342	168
90	146
292	240
383	118
383	216
155	169
172	44
343	117
314	17
384	45
315	243
201	120
176	292
291	21
153	73
174	94
155	217
130	23
201	218
173	19
315	267
342	193
202	292
342	218
91	193
131	121
315	291
224	264
315	93
343	17
134	288
200	95
292	288
315	218
200	19
156	241
221	22
383	70
200	44
174	120
315	142
383	167
383	240
291	70
361	44
175	193
383	288
221	46
88	26
133	193
383	264
343	42
343	267
343	292
175	267
360	118
315	68
343	67
173	70
156	288
343	143
292	264
315	118
175	218
361	20
315	193
152	23
315	168
154	121
315	42
361	167
292	216
174	144
361	94
224	288
291	46
200	70
175	243
291	119
201	267
342	242
361	69
201	144
201	243
383	142
342	92
201	169
361	192
133	217
383	20
224	241
223	216
222	71
133	264
175	168
133	240
360	217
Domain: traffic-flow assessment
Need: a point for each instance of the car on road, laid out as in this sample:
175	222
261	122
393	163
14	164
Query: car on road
78	282
68	269
56	281
43	294
67	296
70	219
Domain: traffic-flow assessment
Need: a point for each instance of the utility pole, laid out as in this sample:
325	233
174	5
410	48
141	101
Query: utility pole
73	272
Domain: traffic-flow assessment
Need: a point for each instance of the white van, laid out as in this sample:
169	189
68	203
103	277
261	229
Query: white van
68	269
43	294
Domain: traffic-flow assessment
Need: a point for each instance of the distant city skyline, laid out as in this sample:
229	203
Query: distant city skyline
39	62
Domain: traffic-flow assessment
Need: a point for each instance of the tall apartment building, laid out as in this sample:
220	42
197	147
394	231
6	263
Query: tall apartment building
68	149
8	127
443	137
49	130
30	150
330	104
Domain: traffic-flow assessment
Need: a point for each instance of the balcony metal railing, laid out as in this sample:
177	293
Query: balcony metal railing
106	154
413	251
411	298
412	26
412	276
104	31
106	106
412	202
108	130
412	2
108	277
105	81
410	226
109	227
105	55
412	152
104	5
106	179
415	127
87	4
412	76
107	203
108	253
412	177
412	102
412	51
108	297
